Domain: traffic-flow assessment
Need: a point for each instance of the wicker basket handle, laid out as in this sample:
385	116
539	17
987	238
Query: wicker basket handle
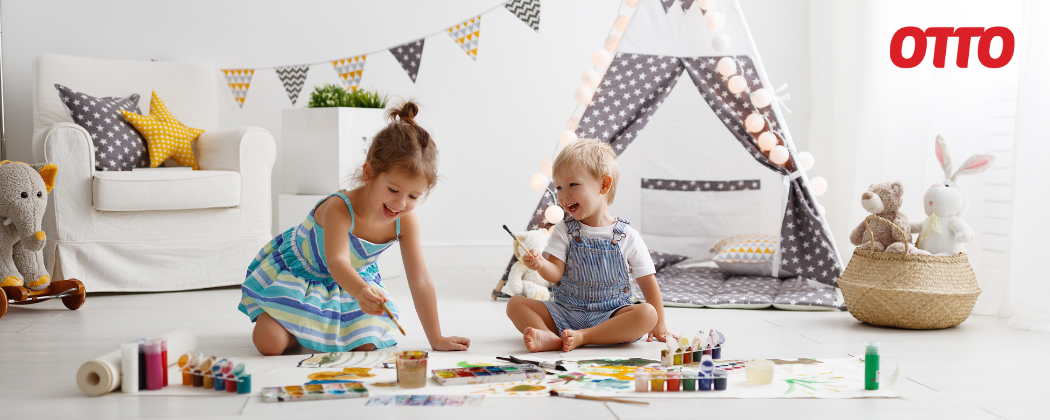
867	225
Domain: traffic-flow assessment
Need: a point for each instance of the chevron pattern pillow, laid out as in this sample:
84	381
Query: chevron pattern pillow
745	255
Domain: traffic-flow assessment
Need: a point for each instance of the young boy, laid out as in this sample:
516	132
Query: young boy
590	258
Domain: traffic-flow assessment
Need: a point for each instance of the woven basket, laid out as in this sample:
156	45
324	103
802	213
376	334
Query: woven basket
919	292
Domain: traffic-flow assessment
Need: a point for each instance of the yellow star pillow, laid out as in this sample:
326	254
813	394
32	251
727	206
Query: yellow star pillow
165	136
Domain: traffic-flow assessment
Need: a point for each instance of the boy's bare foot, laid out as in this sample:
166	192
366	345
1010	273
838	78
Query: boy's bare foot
540	340
571	339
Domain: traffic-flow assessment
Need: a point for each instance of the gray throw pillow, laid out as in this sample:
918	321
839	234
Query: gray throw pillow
118	146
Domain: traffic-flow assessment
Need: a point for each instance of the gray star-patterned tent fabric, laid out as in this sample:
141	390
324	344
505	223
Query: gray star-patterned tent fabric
796	294
293	78
526	10
118	146
805	248
686	4
409	55
686	185
666	4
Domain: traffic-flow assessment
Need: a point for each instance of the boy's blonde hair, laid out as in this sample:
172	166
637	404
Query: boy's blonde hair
595	157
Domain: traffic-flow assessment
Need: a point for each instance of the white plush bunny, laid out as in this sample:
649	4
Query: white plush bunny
944	232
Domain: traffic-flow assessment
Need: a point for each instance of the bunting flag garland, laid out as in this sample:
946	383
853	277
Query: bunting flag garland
667	5
528	11
686	4
409	56
239	80
466	34
293	78
350	70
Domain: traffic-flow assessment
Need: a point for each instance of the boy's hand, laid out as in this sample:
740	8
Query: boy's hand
660	333
369	298
533	260
451	343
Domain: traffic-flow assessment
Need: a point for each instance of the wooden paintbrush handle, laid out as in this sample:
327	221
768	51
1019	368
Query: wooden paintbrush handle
610	399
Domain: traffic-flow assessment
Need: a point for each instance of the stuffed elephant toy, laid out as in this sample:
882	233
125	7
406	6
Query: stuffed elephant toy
23	198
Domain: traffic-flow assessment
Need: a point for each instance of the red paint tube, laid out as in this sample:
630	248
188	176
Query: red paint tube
164	357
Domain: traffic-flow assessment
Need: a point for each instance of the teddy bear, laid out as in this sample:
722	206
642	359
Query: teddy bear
884	200
522	280
23	198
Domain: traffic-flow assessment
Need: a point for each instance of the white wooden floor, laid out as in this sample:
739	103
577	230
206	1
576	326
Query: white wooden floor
979	370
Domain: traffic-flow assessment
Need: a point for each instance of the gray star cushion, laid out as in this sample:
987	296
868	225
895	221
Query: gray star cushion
797	294
746	292
684	287
118	146
662	260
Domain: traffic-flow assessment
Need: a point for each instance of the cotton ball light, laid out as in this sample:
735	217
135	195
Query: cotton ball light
547	166
754	122
583	95
611	42
714	21
726	66
818	186
621	23
720	42
631	3
807	160
591	79
706	4
572	123
538	181
553	214
737	84
761	98
767	141
779	155
601	57
566	137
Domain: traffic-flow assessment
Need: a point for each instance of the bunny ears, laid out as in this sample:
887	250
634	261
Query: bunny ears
973	165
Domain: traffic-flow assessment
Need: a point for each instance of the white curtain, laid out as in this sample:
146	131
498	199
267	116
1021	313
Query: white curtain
873	122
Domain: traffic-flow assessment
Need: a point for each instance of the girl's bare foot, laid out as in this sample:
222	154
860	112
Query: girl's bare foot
571	339
541	340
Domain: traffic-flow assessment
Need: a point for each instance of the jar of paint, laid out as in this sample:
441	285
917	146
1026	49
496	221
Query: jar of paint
678	358
154	371
716	353
707	368
412	369
759	371
721	379
656	384
689	381
687	357
187	362
641	380
674	381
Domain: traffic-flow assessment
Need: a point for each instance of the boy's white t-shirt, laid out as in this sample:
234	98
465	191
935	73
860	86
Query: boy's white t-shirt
635	253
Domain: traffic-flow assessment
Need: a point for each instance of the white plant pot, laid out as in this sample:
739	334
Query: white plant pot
323	147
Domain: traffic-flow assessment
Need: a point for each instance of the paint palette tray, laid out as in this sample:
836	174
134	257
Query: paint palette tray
488	374
308	392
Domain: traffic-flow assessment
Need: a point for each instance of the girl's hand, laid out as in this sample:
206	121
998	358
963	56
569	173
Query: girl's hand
660	333
369	298
533	260
451	343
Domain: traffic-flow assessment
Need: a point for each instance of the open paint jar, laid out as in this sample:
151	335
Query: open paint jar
759	372
411	369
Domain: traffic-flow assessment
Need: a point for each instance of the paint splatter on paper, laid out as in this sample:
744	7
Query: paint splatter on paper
365	359
344	375
634	361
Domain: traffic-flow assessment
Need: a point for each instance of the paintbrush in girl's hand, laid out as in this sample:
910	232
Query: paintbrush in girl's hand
385	309
588	397
523	247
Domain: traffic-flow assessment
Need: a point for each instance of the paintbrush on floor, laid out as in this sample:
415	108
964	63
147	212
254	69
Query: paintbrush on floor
588	397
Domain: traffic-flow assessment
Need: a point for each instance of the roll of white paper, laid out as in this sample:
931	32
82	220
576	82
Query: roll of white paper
102	375
129	368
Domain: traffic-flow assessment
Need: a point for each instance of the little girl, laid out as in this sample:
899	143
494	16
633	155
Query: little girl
318	283
591	256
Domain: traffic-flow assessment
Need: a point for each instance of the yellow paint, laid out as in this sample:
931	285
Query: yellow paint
525	388
621	373
345	374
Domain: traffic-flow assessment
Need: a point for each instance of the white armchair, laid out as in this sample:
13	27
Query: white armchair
150	230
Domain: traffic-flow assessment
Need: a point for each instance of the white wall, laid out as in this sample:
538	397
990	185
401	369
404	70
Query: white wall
494	119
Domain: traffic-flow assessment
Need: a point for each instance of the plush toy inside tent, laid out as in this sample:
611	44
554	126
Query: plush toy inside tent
708	167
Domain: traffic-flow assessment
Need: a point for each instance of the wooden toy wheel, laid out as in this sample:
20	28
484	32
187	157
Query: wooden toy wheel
74	302
3	303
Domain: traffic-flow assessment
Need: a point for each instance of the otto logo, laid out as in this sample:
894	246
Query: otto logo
940	46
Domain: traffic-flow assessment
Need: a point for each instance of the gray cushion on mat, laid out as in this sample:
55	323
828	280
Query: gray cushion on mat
798	295
689	287
746	292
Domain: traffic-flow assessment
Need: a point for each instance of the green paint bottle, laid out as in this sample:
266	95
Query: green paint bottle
871	366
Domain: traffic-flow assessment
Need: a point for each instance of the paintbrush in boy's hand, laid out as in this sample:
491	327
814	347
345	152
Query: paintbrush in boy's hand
523	247
588	397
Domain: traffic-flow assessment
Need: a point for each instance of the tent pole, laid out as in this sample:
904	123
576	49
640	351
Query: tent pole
3	126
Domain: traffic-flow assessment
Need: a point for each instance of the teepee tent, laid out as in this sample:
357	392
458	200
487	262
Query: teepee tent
692	171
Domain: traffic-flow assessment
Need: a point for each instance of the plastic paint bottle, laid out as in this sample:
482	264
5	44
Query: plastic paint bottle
164	357
658	381
674	381
129	367
142	363
154	372
641	380
707	369
689	381
721	380
216	372
871	366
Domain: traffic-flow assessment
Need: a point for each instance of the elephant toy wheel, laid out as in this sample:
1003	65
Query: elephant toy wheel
74	302
3	303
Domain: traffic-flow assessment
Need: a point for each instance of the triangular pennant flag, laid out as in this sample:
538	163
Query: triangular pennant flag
667	5
466	35
350	70
409	56
686	4
293	77
526	10
239	80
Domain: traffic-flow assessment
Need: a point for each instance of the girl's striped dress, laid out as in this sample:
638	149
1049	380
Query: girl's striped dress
290	281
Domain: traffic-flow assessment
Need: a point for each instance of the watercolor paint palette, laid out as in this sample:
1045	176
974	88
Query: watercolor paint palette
488	374
426	400
308	392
